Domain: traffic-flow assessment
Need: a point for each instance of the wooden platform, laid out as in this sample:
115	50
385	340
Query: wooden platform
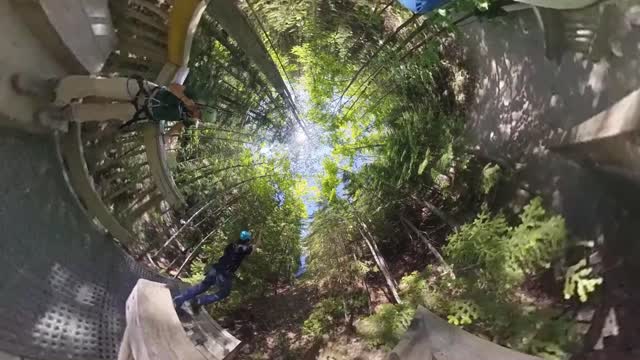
430	337
609	141
78	33
154	331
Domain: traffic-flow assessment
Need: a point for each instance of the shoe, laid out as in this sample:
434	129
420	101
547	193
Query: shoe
194	307
28	85
180	312
54	117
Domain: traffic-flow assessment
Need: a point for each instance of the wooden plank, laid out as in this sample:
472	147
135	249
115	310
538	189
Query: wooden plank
219	341
82	183
154	331
32	14
149	21
622	117
560	4
157	157
430	337
153	7
609	140
89	38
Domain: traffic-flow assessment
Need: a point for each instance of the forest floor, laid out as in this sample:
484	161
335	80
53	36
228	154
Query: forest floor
271	328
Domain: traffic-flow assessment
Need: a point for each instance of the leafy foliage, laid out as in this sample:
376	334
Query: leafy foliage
490	177
580	281
488	257
492	260
499	256
323	317
387	325
462	312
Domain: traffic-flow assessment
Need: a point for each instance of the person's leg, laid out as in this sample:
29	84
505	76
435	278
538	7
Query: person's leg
80	86
194	291
58	117
224	282
33	85
101	112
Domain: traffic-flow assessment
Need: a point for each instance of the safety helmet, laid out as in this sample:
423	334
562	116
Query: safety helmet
245	235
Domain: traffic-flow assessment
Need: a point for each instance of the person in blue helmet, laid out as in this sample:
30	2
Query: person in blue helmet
423	6
220	275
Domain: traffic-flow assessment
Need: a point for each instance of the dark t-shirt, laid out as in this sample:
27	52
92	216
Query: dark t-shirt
233	255
165	106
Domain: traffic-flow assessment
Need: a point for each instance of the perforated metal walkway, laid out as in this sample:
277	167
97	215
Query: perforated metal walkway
64	284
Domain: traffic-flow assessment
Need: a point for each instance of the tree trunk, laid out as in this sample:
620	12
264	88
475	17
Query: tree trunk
171	239
446	218
193	253
136	214
378	51
408	225
379	12
369	239
441	31
216	171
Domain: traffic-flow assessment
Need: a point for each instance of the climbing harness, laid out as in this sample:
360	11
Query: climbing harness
144	107
142	110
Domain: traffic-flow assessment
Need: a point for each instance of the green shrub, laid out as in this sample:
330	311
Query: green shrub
491	175
323	317
413	289
537	240
480	250
492	260
387	325
499	256
580	281
462	312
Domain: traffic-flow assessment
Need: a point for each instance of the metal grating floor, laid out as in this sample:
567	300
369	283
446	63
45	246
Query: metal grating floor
64	284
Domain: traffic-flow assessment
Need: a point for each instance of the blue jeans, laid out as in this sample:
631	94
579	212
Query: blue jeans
220	279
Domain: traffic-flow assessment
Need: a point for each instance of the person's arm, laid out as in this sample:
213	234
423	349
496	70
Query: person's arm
231	247
176	129
178	91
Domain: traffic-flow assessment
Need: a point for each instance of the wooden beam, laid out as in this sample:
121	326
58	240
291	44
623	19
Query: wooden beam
430	337
154	331
609	140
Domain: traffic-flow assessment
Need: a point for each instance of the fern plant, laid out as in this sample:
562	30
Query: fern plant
479	249
463	312
580	281
491	175
323	317
537	240
387	325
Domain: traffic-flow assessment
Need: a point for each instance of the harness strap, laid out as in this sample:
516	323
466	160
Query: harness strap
142	111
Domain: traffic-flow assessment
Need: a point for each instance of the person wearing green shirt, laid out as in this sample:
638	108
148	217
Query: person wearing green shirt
73	98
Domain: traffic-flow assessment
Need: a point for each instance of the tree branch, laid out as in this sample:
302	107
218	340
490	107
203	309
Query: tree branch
408	225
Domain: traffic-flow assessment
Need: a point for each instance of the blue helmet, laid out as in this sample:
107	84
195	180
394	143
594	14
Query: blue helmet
422	6
245	235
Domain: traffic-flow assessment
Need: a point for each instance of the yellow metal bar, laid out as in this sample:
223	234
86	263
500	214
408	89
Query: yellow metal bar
183	21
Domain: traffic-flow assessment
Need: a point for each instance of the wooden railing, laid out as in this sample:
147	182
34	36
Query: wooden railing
121	175
142	30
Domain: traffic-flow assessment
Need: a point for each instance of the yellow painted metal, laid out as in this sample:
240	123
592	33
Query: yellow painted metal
183	20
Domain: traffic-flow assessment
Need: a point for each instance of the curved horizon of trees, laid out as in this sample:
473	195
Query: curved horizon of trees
407	210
